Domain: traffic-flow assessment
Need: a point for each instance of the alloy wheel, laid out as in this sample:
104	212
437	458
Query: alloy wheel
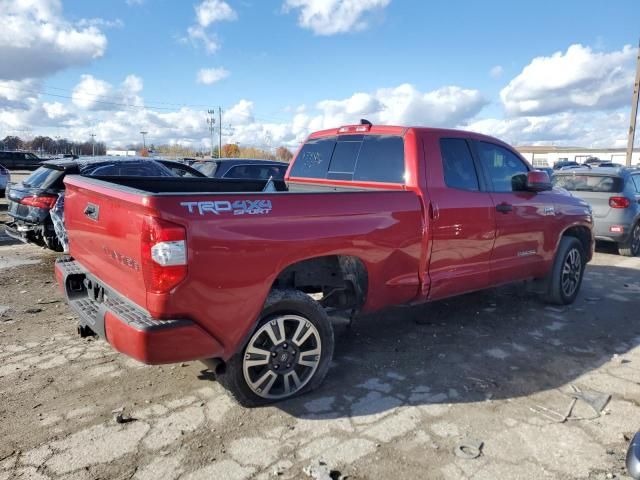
571	271
282	357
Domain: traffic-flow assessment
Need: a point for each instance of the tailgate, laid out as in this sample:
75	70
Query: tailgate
104	226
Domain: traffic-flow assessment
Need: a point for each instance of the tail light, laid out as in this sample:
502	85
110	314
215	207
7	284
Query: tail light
619	202
164	254
40	201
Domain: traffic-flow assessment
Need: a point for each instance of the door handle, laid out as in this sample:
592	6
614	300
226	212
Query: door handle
504	207
434	211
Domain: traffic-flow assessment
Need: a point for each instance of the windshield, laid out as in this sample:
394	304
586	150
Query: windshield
588	183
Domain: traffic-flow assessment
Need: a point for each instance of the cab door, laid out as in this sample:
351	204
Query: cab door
461	218
522	217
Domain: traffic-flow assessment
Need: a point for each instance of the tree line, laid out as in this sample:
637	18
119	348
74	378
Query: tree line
59	146
53	146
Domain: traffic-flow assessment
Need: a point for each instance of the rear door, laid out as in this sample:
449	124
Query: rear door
461	218
522	217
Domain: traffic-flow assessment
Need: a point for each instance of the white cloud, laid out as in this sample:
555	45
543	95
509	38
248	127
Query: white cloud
329	17
18	94
239	114
585	129
35	40
94	94
209	76
100	22
579	79
404	105
497	71
210	11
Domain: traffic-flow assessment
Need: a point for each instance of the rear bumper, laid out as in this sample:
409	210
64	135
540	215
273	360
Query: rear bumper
18	232
602	231
129	328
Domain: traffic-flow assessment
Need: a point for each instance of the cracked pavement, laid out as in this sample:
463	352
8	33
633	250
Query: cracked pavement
407	385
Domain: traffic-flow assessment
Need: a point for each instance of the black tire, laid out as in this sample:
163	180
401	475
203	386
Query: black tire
566	269
282	307
632	247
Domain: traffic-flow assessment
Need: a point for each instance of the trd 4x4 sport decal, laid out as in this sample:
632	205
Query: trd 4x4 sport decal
237	207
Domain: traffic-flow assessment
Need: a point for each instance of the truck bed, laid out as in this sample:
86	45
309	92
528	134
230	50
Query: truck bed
235	256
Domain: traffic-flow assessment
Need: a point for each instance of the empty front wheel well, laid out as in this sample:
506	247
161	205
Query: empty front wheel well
583	234
336	281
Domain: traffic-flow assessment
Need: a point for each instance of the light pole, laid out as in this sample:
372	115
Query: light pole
211	121
144	142
93	144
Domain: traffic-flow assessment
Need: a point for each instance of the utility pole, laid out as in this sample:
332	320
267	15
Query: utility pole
144	141
220	132
634	111
211	120
93	144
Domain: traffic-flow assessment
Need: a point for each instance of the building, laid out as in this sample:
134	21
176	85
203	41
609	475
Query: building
546	156
122	153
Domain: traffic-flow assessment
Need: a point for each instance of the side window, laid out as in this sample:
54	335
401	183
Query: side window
254	172
506	171
457	164
636	181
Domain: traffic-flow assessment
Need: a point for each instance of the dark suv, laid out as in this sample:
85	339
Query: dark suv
20	160
242	168
614	196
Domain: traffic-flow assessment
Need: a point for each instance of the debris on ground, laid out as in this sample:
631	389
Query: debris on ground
319	470
596	400
122	418
33	310
469	449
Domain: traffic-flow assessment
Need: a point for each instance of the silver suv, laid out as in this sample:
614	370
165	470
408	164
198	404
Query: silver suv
614	196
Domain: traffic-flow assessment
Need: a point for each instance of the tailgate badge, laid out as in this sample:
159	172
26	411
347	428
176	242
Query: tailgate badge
92	211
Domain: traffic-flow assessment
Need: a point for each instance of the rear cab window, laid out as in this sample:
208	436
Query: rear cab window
363	158
584	182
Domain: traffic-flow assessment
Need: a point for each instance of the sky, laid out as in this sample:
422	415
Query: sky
544	72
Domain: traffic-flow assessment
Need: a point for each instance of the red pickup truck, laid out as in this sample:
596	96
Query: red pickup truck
247	278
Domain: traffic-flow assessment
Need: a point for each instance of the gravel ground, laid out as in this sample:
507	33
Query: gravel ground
408	386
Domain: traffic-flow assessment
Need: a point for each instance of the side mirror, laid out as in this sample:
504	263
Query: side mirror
538	181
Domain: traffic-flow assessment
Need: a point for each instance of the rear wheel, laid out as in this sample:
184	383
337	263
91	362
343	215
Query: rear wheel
632	247
565	278
287	355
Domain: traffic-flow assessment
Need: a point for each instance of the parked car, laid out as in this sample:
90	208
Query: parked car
614	196
180	169
31	201
565	163
549	171
242	168
5	178
20	160
173	270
